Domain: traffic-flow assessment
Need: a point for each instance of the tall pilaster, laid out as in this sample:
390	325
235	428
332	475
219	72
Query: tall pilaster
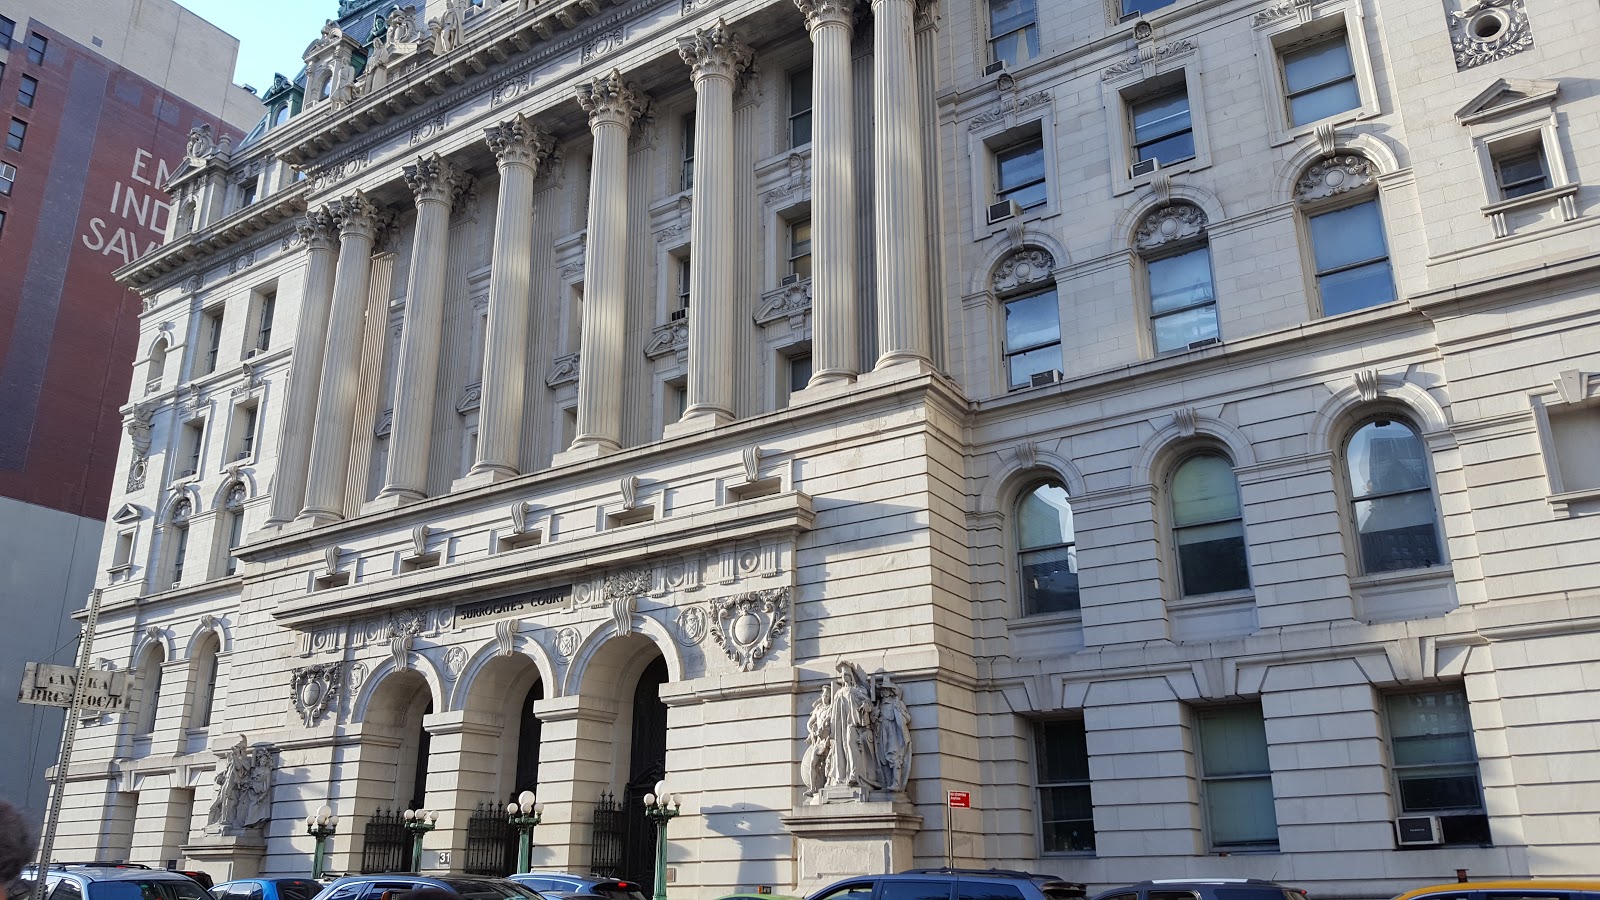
835	331
904	332
716	58
321	237
436	183
358	220
613	105
519	145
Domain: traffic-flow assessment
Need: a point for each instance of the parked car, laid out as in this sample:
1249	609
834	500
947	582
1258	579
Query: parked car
954	884
1204	889
115	881
1542	888
387	886
567	883
757	897
277	888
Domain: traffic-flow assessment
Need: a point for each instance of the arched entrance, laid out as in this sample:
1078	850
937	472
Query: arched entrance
396	710
503	693
647	764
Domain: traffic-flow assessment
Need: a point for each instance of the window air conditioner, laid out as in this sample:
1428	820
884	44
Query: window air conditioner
680	314
254	352
994	68
176	585
1005	209
243	454
1204	342
1040	379
1144	167
791	278
1418	831
186	473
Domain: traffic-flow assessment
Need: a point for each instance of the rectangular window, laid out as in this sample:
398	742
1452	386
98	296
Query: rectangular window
684	273
1020	173
1320	79
28	91
1436	763
37	43
264	313
677	400
16	134
1066	813
194	441
122	554
1352	257
800	108
1183	305
2	223
211	328
245	422
799	371
1520	171
1033	337
1013	31
247	193
7	29
1137	7
8	177
180	549
1162	129
688	152
1574	433
1236	779
230	566
800	248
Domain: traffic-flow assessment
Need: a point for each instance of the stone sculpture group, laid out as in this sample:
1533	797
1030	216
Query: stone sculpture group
244	782
858	737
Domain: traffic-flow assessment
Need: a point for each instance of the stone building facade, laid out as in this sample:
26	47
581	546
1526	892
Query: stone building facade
1178	416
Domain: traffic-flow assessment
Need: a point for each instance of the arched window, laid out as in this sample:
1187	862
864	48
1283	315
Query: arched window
1177	261
1349	248
281	115
1391	496
178	527
205	680
156	368
1208	526
1032	317
149	677
1047	560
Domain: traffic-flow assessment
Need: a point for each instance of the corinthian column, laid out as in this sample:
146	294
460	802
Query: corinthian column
435	182
716	58
358	220
321	237
904	333
835	330
613	105
519	145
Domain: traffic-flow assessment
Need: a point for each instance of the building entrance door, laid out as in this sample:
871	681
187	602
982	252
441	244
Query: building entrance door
648	765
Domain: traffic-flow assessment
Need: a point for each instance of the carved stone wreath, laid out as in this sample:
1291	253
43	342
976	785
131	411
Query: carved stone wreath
745	625
313	689
1487	31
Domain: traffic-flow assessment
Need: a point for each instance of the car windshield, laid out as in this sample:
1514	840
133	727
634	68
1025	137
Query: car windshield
147	889
295	889
490	889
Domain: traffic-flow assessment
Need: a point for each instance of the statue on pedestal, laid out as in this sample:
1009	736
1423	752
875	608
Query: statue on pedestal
858	736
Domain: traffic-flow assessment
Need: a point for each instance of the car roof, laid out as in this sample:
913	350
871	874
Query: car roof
1539	884
115	873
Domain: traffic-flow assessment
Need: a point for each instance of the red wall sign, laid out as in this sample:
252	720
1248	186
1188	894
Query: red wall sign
960	799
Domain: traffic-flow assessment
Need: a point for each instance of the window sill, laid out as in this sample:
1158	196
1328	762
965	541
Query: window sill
1204	601
1046	621
1296	132
1403	576
1130	183
1541	198
1562	503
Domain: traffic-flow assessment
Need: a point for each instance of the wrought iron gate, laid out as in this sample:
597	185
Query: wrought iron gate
606	850
491	841
387	847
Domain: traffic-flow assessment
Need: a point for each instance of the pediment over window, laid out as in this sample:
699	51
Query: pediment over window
128	513
1508	95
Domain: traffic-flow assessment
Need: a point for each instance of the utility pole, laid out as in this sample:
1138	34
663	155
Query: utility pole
68	735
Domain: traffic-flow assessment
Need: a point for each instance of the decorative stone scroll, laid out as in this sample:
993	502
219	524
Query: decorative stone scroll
314	689
1023	267
746	625
858	738
1333	176
1170	223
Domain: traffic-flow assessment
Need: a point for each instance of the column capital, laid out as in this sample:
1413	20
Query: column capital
435	179
518	141
715	52
318	229
827	12
610	99
356	215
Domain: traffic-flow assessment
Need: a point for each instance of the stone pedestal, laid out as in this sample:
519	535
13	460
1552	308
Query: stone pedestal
855	837
227	855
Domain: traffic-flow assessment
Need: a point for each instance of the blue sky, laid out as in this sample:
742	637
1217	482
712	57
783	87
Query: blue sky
271	35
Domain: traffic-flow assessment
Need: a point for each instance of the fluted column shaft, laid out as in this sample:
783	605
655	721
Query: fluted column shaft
716	57
835	329
321	236
612	105
519	146
434	181
358	220
904	333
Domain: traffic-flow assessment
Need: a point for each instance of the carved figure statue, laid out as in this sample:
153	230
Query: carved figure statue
853	759
819	743
244	783
447	28
894	735
401	26
858	736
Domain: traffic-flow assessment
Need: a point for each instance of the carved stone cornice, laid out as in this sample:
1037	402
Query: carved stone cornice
608	99
317	229
715	52
357	216
669	338
434	179
827	12
518	141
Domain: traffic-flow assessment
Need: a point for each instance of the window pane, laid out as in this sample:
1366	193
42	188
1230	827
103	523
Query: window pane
799	372
1161	116
1430	790
800	91
1233	741
1023	366
1240	812
1358	288
1130	7
1211	558
1176	331
1062	748
1397	532
1020	165
1026	196
1386	457
1316	65
1323	102
1066	816
1009	15
1179	281
1049	580
1044	518
915	890
1018	47
1348	236
1204	490
968	890
1431	714
1033	320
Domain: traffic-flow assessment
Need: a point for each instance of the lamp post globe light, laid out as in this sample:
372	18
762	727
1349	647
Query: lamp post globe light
419	822
524	812
661	808
321	825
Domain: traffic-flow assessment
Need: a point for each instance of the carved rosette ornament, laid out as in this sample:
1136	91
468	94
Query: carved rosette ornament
317	229
314	689
1333	176
355	214
518	141
715	52
608	99
746	625
1171	223
435	179
827	12
1023	267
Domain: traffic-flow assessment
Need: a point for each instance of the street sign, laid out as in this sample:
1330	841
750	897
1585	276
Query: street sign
46	685
960	799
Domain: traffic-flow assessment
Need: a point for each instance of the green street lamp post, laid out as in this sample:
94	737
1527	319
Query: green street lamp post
419	822
524	812
321	825
659	812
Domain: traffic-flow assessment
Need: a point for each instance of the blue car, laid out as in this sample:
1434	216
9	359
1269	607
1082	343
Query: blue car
562	883
280	888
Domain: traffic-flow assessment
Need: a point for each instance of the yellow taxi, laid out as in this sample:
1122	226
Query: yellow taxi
1519	889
